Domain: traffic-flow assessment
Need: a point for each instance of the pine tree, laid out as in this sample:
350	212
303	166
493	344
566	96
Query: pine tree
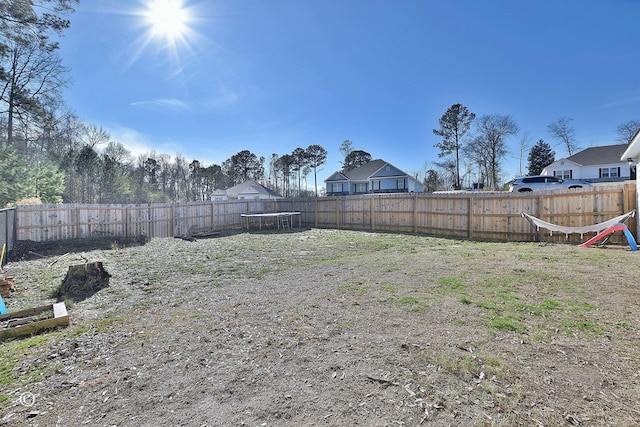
540	156
454	124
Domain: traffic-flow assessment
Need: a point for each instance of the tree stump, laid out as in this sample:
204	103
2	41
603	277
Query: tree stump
83	280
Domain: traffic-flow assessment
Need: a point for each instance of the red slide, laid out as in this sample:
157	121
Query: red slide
605	233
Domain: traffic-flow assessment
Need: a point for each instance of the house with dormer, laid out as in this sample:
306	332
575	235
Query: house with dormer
594	164
377	176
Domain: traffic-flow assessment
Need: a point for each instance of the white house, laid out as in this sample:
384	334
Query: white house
248	190
377	176
594	164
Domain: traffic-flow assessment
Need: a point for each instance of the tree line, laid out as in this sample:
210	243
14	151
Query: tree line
48	154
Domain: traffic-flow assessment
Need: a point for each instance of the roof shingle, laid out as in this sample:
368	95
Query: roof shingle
599	155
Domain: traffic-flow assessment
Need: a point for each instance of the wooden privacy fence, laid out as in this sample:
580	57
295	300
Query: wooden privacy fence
473	215
478	215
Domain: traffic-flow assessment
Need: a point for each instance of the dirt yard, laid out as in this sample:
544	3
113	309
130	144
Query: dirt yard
332	328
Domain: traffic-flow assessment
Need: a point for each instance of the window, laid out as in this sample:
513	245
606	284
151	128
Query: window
361	187
609	172
401	184
337	187
565	174
533	179
375	185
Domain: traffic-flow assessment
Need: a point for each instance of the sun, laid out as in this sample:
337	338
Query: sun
167	29
167	19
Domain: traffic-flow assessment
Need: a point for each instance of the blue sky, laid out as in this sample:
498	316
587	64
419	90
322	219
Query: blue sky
272	75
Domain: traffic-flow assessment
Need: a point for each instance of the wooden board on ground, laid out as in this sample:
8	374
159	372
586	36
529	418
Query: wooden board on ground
32	320
196	231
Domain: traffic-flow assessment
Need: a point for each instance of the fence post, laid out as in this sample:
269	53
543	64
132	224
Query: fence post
540	205
172	219
415	213
372	213
211	215
126	222
315	212
629	204
77	223
150	222
470	217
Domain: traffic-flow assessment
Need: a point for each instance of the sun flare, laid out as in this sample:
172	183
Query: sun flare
167	29
167	18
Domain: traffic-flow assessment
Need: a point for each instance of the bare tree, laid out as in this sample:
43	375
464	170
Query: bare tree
69	129
88	169
476	153
432	179
31	72
345	149
118	153
95	135
626	131
274	168
284	166
32	77
447	178
196	181
180	178
561	129
51	133
490	145
165	174
524	146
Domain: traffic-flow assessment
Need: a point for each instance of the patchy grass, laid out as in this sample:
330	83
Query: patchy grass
12	377
507	322
412	302
450	285
348	327
584	327
353	288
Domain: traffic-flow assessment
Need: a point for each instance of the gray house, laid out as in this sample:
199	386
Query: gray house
377	176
